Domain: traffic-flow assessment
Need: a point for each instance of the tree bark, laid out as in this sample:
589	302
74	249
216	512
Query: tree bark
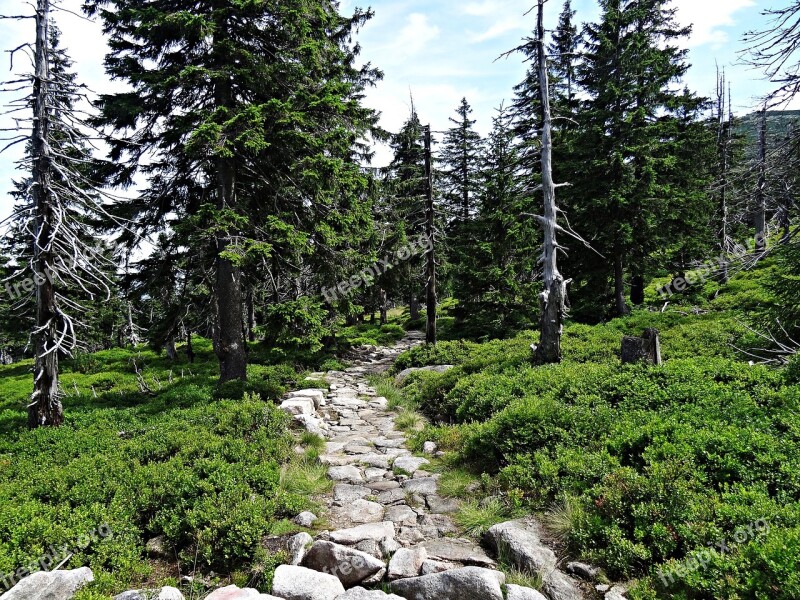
619	285
552	298
637	290
413	308
430	256
228	342
384	309
45	408
251	316
761	191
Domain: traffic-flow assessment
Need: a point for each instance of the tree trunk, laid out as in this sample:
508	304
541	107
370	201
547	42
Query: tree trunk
724	140
637	290
251	316
413	308
189	347
172	353
228	342
552	298
45	408
619	285
430	256
761	191
384	309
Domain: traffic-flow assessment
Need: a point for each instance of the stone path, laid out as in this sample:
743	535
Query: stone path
387	523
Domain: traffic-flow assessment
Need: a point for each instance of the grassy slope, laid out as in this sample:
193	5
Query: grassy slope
641	468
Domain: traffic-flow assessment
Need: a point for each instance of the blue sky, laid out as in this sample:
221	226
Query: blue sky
443	50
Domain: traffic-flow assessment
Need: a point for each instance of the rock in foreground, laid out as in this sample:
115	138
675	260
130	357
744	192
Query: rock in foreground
50	585
469	583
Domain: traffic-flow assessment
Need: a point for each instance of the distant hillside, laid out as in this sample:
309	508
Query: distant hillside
778	123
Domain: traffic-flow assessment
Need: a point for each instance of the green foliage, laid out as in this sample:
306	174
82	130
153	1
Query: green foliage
204	472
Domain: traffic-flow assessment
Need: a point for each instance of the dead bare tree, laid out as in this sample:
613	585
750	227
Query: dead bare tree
430	255
59	198
761	188
553	297
774	50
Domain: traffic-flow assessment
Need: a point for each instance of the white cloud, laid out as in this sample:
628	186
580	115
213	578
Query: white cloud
709	18
415	36
498	29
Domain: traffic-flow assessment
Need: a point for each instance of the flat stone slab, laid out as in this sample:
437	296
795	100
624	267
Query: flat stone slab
345	492
361	511
372	531
517	592
424	486
299	583
409	464
349	565
50	585
458	550
345	473
469	583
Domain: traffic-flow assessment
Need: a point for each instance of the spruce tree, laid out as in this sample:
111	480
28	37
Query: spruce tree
247	119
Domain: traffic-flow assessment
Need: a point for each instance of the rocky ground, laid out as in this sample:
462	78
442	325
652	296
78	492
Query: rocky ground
390	535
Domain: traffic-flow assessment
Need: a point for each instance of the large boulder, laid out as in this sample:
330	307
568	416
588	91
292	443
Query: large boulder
317	396
298	406
407	562
560	586
458	551
233	592
299	583
50	585
297	546
469	583
520	543
349	565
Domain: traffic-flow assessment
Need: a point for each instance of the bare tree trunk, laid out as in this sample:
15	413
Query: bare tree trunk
172	353
552	298
384	308
724	139
45	408
189	348
228	342
430	256
761	191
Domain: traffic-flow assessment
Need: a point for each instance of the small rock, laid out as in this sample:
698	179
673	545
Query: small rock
469	583
409	464
157	547
299	583
616	593
521	543
517	592
436	566
602	587
50	585
317	396
305	519
560	586
297	546
459	551
388	547
349	565
429	448
298	406
402	514
344	492
583	570
442	506
423	486
345	473
371	547
407	562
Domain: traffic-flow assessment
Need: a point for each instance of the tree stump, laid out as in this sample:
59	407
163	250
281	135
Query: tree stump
646	348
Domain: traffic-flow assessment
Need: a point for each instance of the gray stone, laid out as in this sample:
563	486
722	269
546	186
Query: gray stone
409	464
305	519
312	424
373	474
560	586
521	543
373	459
388	547
351	566
583	570
393	496
371	547
298	406
343	492
437	566
442	523
299	583
371	531
316	395
359	593
429	448
233	592
158	547
165	593
422	486
345	473
458	550
442	506
402	514
50	585
297	546
517	592
361	511
407	562
469	583
616	593
383	486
